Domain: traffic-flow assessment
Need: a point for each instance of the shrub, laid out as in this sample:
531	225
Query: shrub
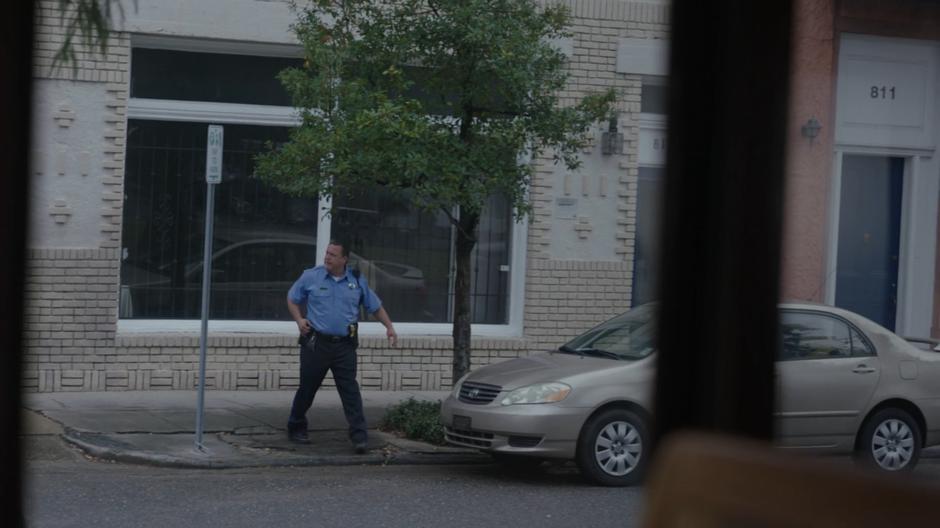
416	420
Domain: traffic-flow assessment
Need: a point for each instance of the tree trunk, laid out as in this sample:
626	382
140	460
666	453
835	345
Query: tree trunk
466	239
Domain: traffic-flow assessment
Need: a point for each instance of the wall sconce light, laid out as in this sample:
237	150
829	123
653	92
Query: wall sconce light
612	141
810	129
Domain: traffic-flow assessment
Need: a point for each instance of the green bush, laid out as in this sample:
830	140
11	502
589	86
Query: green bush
416	420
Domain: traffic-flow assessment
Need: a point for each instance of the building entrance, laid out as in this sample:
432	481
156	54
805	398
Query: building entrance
869	236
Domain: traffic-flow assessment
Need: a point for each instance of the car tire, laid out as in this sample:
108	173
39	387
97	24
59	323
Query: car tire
517	462
613	448
890	441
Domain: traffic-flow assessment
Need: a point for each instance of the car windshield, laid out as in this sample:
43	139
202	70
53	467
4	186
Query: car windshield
627	336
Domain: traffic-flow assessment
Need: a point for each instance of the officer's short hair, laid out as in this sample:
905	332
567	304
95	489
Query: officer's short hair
342	245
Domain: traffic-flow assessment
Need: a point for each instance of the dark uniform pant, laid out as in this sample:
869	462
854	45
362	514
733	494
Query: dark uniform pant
316	358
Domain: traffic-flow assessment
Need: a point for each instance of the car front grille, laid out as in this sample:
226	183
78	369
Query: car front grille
468	438
524	441
478	393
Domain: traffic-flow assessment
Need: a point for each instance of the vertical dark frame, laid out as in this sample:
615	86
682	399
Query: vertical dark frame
720	267
15	63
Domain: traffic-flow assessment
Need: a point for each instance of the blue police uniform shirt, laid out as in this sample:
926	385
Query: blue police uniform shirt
332	305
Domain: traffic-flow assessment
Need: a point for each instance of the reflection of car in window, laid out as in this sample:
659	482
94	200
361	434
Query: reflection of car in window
250	279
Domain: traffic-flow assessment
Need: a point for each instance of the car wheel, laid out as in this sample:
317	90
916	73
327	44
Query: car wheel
613	448
517	462
890	441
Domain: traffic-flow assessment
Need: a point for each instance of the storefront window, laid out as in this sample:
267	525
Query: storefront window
263	238
406	255
214	77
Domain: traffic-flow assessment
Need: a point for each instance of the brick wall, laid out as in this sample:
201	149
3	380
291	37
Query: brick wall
597	26
70	316
249	362
566	297
90	65
71	294
110	70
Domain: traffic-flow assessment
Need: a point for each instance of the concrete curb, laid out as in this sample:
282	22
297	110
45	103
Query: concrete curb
224	455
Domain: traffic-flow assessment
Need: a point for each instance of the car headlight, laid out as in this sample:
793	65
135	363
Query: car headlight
456	392
538	393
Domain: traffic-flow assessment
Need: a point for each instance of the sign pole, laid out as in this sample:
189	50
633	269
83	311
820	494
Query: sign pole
214	143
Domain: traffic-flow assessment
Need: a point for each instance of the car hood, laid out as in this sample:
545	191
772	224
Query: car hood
544	367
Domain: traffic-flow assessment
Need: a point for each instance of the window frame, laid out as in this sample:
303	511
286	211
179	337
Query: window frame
853	329
265	115
914	176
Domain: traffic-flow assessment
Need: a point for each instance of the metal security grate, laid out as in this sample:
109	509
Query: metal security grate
478	393
263	240
468	438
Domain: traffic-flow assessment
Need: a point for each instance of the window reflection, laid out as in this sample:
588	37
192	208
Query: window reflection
813	336
406	255
216	77
263	238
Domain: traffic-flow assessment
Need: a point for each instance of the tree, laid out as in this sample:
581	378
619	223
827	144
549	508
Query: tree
441	102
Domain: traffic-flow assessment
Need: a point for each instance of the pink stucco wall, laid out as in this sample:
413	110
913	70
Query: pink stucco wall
809	164
935	327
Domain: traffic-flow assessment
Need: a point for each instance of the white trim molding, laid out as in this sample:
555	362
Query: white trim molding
204	45
128	327
206	112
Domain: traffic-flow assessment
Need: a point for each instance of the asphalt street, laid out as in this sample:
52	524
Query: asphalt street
262	481
64	488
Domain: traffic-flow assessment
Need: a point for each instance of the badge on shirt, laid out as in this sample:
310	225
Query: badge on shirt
352	286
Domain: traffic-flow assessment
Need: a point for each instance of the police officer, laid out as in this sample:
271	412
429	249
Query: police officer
324	302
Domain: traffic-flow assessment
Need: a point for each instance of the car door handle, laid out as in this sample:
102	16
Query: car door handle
863	369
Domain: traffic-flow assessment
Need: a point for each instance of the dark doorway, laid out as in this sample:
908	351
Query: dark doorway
870	236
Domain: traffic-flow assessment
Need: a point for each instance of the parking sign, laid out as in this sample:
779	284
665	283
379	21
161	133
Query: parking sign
214	142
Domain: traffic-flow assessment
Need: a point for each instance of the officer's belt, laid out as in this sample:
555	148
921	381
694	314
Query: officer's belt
331	338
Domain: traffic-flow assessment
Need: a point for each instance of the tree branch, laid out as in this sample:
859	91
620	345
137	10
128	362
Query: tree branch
433	8
456	223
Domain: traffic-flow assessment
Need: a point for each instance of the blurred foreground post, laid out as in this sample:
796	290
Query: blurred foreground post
720	258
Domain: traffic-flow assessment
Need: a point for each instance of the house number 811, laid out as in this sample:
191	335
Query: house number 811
882	92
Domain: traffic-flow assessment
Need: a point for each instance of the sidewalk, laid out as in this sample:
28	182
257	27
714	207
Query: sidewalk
240	429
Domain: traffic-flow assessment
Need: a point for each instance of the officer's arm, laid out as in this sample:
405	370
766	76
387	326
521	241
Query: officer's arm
296	313
382	316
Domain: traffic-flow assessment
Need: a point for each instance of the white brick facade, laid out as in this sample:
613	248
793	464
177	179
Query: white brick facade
72	341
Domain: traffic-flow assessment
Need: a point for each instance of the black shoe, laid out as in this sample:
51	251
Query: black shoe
298	437
361	448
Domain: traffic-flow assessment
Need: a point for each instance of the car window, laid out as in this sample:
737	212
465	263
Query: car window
861	347
813	336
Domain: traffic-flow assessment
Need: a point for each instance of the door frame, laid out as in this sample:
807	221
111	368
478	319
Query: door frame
918	232
915	140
